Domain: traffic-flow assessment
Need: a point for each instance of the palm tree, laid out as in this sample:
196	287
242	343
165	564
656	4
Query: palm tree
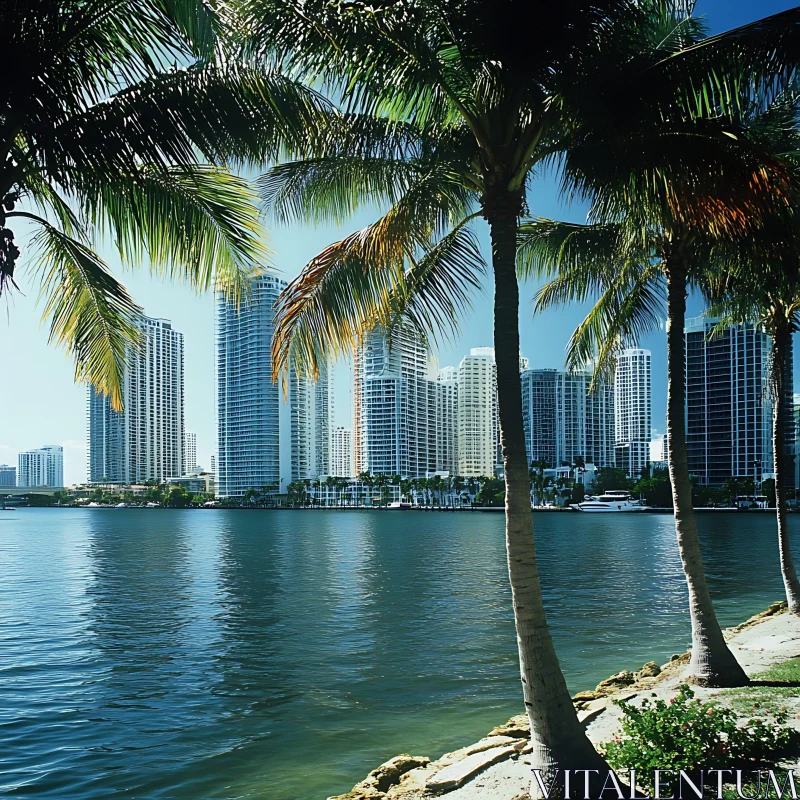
451	109
629	270
101	132
758	281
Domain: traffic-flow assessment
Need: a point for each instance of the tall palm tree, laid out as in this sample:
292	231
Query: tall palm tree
452	107
758	281
631	268
117	121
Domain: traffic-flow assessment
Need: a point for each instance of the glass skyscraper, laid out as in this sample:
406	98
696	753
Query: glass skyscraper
248	402
728	402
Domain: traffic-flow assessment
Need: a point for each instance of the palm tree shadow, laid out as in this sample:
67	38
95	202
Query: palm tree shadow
787	684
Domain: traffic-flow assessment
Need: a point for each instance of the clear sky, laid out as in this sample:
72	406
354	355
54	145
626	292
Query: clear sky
40	403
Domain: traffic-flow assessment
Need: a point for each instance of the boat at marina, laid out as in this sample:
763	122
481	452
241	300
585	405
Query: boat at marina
399	505
613	501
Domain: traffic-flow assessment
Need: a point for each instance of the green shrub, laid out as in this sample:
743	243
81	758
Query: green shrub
685	733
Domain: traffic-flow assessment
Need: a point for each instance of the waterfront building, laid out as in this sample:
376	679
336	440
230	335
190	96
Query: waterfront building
446	420
41	467
342	453
310	408
190	453
392	403
248	402
8	475
144	441
478	425
198	482
564	420
632	411
728	403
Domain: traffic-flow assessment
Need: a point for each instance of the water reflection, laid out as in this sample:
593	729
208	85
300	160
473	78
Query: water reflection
184	654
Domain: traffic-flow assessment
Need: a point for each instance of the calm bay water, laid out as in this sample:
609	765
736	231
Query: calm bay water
282	655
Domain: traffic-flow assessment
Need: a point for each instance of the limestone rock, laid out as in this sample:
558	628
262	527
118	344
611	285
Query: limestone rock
616	682
682	658
517	728
587	696
389	773
775	608
454	775
649	670
378	782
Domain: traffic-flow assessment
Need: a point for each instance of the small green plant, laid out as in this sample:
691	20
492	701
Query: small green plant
685	733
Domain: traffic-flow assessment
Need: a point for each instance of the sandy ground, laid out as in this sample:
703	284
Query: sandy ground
771	641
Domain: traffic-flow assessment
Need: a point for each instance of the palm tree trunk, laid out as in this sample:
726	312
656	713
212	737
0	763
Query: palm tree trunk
558	739
781	340
712	662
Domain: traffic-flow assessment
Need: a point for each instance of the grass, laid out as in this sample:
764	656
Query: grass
768	700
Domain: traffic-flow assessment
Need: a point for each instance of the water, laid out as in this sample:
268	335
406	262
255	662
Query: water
282	655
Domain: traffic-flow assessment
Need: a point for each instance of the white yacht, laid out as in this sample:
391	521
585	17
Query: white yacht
611	501
399	505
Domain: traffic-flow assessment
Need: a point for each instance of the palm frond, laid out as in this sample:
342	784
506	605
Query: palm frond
89	312
362	280
631	306
196	225
437	289
331	190
230	113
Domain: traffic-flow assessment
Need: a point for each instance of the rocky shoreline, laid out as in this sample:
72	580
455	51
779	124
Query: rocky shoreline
407	777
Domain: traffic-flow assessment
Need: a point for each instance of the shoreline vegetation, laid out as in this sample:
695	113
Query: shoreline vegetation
495	767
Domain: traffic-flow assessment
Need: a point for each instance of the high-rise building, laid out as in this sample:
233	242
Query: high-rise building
564	420
41	467
446	420
342	453
144	441
728	403
248	402
310	404
190	453
478	429
665	448
8	475
392	405
632	411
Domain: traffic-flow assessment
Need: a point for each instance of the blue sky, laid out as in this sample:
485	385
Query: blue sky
40	403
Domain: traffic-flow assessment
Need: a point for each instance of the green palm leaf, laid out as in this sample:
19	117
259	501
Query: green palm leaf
90	313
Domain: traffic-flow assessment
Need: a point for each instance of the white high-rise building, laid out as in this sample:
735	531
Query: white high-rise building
190	453
41	467
477	413
564	420
392	404
632	411
446	416
248	402
145	441
310	404
342	453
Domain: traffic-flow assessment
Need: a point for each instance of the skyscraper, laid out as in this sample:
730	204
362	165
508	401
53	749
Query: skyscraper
190	451
728	403
446	420
564	420
144	441
248	402
41	467
310	404
477	413
8	475
632	410
392	396
342	453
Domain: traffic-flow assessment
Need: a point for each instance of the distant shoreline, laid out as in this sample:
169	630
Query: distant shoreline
434	509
